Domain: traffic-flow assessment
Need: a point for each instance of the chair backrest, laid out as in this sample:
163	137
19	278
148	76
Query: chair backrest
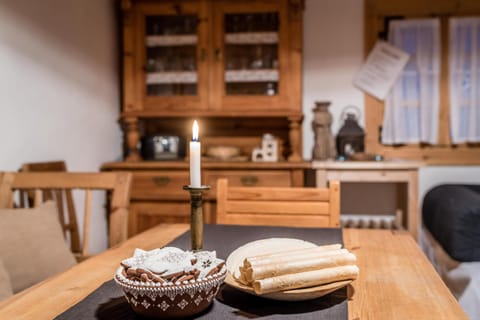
63	198
278	206
117	184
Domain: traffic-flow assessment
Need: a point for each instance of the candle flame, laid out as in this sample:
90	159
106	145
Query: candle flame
195	130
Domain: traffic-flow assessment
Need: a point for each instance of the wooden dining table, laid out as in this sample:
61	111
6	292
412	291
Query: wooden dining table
396	279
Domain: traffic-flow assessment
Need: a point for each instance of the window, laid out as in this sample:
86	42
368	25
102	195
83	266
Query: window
411	107
446	150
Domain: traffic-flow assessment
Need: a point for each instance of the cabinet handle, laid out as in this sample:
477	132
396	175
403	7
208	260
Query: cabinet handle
249	180
218	54
161	181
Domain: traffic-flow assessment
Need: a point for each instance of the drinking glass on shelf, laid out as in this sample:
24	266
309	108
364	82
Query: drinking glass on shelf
257	62
249	23
188	25
237	25
155	29
267	57
176	63
275	63
270	89
150	65
229	64
167	31
243	63
159	64
189	63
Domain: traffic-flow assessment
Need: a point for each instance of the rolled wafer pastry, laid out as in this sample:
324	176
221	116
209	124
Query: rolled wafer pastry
276	269
242	278
292	256
334	246
305	279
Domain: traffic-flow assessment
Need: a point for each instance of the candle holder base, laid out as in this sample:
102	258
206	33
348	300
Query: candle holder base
196	215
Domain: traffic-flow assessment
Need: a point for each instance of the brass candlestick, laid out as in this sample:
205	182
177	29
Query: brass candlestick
196	215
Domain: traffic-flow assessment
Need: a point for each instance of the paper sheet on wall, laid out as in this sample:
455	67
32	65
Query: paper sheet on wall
383	66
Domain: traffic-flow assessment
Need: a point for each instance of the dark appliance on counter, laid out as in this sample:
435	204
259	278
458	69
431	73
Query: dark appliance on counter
163	147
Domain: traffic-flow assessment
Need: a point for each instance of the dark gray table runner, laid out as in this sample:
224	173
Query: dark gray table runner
107	302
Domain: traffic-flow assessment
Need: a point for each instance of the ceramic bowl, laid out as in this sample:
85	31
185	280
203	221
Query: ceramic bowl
170	300
223	152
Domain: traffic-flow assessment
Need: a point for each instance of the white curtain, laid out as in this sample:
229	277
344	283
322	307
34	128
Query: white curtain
411	107
464	72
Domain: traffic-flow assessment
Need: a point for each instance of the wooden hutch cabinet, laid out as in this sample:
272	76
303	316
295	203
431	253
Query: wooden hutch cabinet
235	66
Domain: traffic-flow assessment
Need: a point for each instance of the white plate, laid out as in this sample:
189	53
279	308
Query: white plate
272	245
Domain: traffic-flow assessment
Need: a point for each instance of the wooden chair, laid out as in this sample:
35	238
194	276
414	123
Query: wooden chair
48	184
278	206
63	198
59	165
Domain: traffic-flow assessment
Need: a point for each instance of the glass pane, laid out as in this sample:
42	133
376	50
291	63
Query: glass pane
252	88
171	64
251	22
251	54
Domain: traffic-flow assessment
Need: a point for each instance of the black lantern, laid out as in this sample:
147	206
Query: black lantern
350	137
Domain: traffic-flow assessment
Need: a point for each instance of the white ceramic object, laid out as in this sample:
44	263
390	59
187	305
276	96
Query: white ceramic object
269	150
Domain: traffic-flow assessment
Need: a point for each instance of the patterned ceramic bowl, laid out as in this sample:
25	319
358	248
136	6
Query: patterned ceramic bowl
170	300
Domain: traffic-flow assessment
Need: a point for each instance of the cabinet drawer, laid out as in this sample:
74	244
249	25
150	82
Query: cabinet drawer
157	185
250	178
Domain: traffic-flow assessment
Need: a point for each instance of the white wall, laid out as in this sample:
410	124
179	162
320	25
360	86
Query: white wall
333	52
58	88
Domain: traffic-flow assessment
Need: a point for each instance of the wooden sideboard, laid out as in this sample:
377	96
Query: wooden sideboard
390	171
157	194
235	66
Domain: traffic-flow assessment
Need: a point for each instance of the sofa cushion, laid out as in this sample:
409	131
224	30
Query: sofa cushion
5	286
32	245
452	215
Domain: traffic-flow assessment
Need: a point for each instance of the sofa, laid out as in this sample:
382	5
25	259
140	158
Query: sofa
450	237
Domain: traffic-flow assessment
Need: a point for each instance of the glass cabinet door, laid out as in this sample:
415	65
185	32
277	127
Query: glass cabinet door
171	55
250	54
171	65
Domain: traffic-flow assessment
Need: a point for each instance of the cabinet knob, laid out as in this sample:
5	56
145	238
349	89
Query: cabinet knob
249	180
161	181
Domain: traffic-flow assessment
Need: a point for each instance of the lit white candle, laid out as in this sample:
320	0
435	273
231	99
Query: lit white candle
195	155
